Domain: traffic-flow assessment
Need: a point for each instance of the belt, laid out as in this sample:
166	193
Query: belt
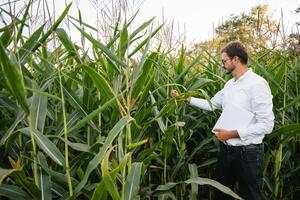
240	148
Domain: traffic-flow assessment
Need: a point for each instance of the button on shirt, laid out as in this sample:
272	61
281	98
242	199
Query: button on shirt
252	93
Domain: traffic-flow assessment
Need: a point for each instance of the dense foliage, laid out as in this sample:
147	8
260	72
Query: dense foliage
100	124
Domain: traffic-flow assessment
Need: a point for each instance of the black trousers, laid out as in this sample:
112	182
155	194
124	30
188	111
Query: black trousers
242	165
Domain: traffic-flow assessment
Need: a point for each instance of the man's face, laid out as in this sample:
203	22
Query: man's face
227	64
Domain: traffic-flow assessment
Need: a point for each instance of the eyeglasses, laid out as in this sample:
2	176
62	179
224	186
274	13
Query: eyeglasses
224	61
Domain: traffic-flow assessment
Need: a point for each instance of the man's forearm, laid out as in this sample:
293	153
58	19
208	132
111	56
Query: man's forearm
233	134
201	103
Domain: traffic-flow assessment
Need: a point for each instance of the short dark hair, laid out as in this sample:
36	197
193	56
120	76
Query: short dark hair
233	49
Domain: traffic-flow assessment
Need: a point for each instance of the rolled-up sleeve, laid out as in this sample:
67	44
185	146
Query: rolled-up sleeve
262	108
214	103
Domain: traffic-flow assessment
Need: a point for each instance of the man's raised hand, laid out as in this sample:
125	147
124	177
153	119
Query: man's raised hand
174	93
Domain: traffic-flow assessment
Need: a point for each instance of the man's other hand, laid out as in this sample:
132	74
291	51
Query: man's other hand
224	135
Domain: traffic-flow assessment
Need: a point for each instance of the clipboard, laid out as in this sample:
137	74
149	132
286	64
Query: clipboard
233	117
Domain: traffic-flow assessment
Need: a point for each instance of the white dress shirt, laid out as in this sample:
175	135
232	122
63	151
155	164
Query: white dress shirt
250	92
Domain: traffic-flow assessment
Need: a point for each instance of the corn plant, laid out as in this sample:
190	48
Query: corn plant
99	123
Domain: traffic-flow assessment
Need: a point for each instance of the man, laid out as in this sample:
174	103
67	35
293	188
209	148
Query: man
241	152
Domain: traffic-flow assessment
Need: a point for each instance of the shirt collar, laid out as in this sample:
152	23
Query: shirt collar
246	74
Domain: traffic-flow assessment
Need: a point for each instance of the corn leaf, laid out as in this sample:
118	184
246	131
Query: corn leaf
98	158
47	146
194	174
38	111
110	185
92	115
45	182
132	184
66	41
13	192
13	78
103	48
219	186
52	28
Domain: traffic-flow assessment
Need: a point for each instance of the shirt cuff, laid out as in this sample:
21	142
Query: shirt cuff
242	133
192	101
201	103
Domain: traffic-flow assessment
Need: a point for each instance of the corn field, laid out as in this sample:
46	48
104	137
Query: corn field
99	123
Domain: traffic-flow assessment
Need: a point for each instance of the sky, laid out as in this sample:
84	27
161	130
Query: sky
195	18
199	17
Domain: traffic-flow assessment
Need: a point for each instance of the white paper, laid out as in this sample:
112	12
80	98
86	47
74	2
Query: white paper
233	118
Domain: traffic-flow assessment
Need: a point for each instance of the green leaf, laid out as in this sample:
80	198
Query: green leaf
132	184
59	178
194	174
79	146
219	186
6	172
103	48
13	192
268	183
45	182
52	28
278	161
77	104
117	34
109	184
180	66
199	147
6	37
76	146
10	131
136	144
4	28
66	41
22	181
145	92
93	114
100	192
101	82
138	68
278	78
124	41
208	162
187	69
168	142
38	111
285	130
292	103
139	29
200	82
269	77
83	23
166	196
167	186
30	43
43	93
98	158
11	74
156	113
25	15
144	75
145	41
46	145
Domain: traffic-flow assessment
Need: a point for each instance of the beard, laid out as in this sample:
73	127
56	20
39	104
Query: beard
228	70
